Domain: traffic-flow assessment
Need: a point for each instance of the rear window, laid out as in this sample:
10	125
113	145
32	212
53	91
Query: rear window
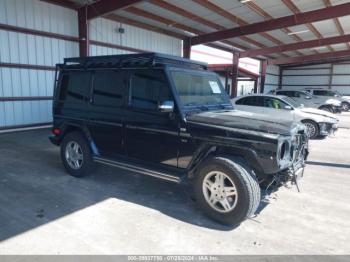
75	86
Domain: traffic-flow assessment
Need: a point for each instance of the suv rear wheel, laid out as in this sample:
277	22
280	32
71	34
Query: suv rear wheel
76	154
226	190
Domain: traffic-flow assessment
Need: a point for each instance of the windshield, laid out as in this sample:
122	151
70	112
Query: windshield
291	101
198	89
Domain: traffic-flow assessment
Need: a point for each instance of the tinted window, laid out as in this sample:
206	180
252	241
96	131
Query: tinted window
75	86
148	89
324	93
275	103
251	101
288	93
108	88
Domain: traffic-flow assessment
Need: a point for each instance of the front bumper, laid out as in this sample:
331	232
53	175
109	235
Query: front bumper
337	109
328	128
54	140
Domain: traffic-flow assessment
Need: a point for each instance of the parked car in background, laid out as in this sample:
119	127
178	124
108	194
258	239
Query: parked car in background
330	94
308	100
279	108
170	118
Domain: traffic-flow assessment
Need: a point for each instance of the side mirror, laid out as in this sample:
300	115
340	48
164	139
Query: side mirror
307	97
166	107
288	107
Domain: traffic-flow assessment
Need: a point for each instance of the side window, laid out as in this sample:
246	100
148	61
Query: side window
242	101
274	103
284	93
251	101
75	86
320	93
148	89
108	88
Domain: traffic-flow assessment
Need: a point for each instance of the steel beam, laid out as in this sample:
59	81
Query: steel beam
310	58
83	28
104	7
296	46
273	24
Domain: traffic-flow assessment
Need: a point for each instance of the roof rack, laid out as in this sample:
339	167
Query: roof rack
132	60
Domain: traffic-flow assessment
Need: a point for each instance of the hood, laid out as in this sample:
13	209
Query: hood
242	121
317	112
346	98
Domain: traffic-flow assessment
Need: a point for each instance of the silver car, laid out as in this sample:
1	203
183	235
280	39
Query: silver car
280	108
345	102
308	100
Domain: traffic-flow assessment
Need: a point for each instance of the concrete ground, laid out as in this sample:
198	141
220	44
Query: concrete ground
45	211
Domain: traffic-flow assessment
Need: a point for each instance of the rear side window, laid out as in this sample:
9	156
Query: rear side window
148	89
288	93
108	88
250	101
275	103
75	86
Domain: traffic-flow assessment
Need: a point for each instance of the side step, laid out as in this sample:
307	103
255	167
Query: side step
137	169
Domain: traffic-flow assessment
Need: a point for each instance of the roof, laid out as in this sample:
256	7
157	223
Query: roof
203	19
132	60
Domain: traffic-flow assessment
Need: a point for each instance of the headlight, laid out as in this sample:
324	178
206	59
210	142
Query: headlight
285	152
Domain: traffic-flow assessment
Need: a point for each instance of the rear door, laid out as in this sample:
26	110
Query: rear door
151	135
107	112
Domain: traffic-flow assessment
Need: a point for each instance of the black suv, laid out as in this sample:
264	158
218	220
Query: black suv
170	118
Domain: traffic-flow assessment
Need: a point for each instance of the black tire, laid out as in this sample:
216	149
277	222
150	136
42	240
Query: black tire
327	109
87	164
314	126
247	188
345	106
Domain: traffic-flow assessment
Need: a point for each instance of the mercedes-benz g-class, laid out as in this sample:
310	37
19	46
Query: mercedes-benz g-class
170	118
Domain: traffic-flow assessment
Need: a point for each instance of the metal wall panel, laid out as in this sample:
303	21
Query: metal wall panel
303	80
107	31
272	77
336	77
21	48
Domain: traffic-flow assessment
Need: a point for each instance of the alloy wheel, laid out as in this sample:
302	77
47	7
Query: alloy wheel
220	191
74	155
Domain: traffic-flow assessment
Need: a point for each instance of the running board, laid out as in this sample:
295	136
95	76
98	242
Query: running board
137	169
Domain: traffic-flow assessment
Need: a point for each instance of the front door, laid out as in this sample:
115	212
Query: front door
151	135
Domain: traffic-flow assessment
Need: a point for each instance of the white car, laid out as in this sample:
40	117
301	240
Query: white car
330	94
308	100
317	122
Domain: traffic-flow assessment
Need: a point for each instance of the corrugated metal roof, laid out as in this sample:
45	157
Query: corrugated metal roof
247	13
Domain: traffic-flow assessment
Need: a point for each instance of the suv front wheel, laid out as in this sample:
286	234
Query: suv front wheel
76	154
226	190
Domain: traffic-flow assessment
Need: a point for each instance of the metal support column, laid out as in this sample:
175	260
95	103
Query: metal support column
186	48
263	75
83	27
235	62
